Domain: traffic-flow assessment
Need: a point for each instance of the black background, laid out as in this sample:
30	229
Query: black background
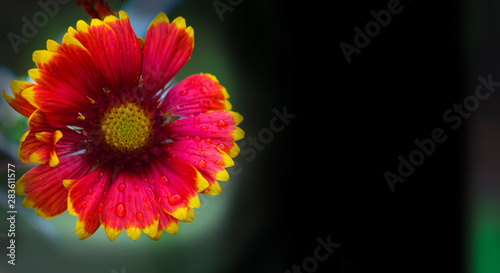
323	175
355	119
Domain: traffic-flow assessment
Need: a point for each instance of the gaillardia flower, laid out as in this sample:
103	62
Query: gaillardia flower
119	146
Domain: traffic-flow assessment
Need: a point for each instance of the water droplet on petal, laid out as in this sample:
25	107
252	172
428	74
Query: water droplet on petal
220	162
91	191
222	124
197	139
136	187
222	146
121	187
202	163
164	180
196	119
84	205
208	141
174	199
139	216
120	210
183	92
147	206
100	206
204	128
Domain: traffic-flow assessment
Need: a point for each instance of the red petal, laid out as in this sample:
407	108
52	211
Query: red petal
44	187
207	159
44	143
17	102
86	198
194	95
129	203
175	186
168	46
215	128
114	48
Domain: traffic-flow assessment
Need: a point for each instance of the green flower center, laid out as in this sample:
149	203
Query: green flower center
126	127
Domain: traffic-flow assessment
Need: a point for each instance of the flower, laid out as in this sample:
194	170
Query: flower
119	147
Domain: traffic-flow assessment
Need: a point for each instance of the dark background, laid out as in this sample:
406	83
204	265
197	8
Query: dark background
323	174
358	118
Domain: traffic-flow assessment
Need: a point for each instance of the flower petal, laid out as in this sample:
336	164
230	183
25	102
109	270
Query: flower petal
194	95
168	46
129	204
44	143
176	184
44	187
17	102
115	49
85	200
208	159
65	80
216	128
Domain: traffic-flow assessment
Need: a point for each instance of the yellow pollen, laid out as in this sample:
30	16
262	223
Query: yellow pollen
126	127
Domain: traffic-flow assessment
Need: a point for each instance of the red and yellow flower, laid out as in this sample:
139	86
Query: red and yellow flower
117	146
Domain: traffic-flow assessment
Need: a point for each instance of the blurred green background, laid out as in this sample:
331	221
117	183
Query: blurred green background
240	230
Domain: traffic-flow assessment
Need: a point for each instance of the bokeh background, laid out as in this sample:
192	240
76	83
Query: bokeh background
240	230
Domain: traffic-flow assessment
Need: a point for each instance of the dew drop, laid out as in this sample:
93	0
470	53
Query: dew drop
100	206
174	199
204	128
120	210
197	139
145	199
220	162
164	180
147	206
91	191
136	187
84	205
222	124
139	216
183	92
196	119
222	146
202	163
208	141
121	187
